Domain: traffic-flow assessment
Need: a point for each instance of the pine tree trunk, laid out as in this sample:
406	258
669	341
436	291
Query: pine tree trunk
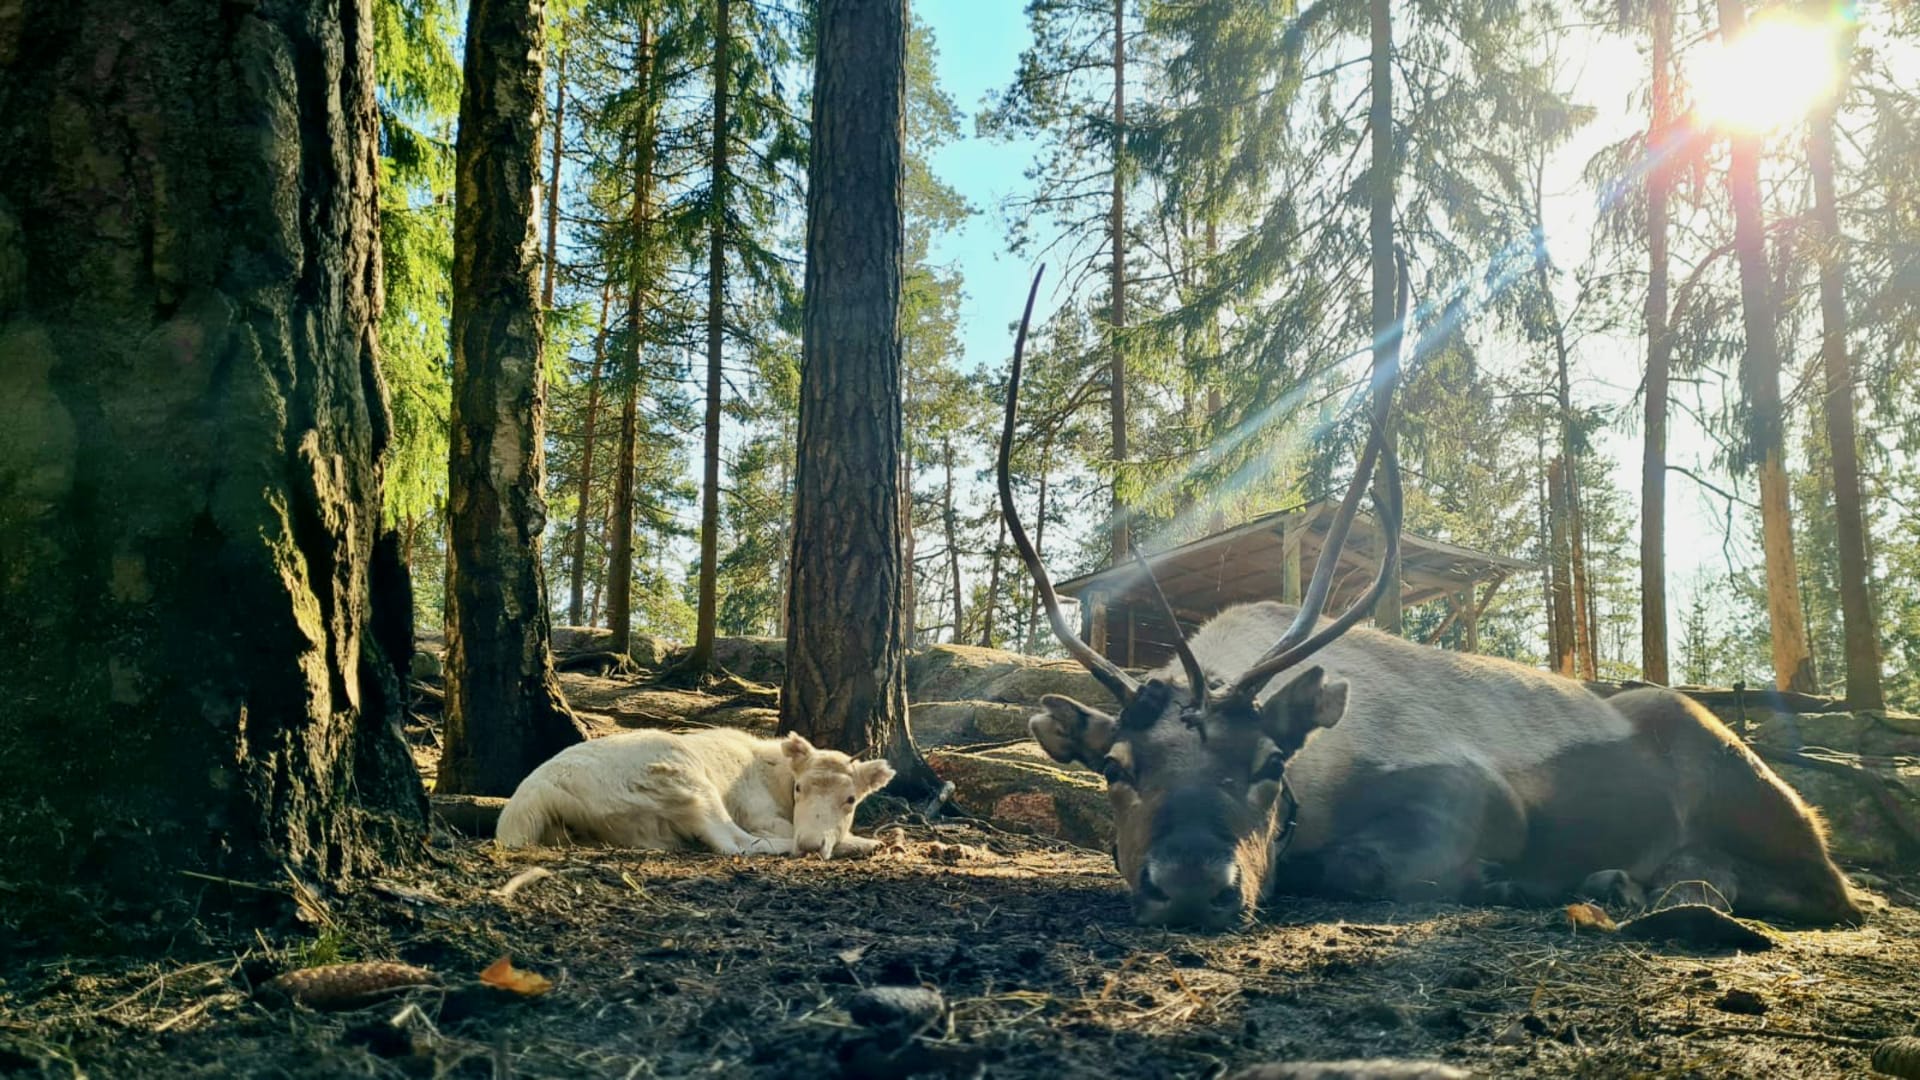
620	527
1653	464
910	585
700	659
639	269
1117	322
1792	660
1565	650
1864	689
993	583
590	437
845	685
190	472
559	130
948	524
1585	649
1386	331
505	712
1039	541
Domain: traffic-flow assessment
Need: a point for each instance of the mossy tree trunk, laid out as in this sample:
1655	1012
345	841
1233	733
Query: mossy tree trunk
845	685
505	713
196	663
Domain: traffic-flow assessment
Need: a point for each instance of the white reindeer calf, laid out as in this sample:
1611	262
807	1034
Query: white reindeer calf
721	789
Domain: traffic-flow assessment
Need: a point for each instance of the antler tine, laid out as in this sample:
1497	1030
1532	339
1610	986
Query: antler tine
1389	507
1196	678
1118	682
1299	642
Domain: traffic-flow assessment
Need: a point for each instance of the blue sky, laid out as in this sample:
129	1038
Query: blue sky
980	42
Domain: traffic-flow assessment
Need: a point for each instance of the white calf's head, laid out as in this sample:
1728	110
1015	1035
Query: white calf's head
827	785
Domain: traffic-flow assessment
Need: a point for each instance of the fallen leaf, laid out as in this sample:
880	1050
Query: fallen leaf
502	975
852	956
1590	916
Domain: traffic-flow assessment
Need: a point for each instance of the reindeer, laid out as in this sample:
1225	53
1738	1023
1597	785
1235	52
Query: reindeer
722	789
1392	770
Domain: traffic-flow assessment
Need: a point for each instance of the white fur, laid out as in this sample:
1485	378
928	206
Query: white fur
719	789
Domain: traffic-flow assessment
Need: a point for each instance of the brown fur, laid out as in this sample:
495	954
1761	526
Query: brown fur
1451	777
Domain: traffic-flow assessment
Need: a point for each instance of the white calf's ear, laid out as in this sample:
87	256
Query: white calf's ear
1069	731
796	746
870	776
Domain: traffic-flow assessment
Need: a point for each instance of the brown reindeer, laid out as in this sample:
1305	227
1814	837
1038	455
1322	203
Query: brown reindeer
1390	769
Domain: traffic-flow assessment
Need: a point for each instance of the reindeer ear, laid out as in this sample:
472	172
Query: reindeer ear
797	748
1069	731
870	776
1303	706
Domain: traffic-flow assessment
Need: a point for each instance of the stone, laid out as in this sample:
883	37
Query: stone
425	667
970	673
897	1008
947	723
759	659
985	780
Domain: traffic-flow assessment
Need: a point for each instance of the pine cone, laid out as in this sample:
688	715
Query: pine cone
342	986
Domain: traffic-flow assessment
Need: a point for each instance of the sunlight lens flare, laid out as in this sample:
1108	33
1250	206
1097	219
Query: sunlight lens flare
1769	77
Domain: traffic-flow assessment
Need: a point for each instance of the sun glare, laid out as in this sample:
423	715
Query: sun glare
1767	78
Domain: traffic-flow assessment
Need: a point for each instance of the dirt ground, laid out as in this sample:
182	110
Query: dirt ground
683	965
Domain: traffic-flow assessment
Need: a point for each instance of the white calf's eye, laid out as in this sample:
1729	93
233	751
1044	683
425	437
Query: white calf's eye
849	800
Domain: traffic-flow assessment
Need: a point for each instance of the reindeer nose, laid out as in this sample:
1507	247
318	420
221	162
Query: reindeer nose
1190	891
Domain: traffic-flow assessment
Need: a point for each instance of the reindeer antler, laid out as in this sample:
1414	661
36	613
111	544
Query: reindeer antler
1122	685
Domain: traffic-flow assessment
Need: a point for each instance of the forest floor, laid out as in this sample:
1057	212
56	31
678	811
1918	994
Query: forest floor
682	965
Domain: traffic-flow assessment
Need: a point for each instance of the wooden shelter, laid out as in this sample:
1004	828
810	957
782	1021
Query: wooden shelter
1271	558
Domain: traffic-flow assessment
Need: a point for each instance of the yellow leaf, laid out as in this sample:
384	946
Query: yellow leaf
503	975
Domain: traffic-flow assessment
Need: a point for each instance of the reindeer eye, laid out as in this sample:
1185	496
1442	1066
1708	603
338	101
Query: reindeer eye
1116	773
849	800
1271	769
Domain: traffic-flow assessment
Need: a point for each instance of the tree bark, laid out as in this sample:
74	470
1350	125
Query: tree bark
1792	660
700	658
505	713
1864	689
845	684
552	265
576	599
1573	525
1039	540
1653	461
639	264
1386	329
1117	236
620	528
1565	644
993	582
949	525
192	424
